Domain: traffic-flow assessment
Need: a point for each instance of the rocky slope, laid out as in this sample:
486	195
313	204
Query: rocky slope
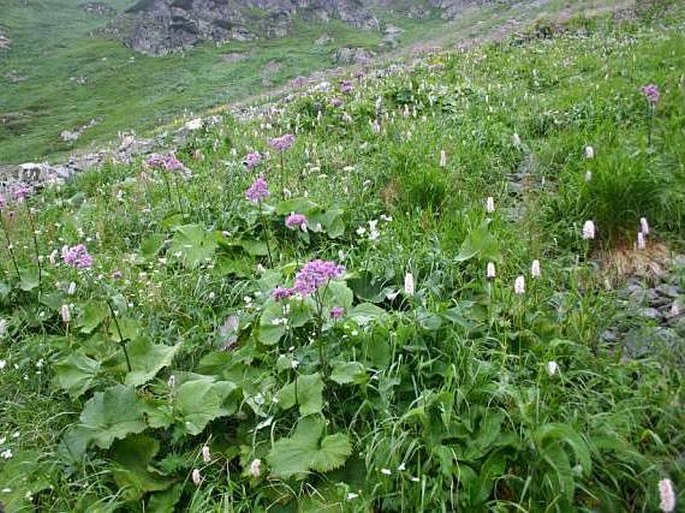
157	27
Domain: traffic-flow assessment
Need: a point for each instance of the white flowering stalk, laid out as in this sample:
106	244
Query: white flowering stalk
589	152
255	469
66	314
588	175
490	271
516	140
409	288
589	230
206	455
535	271
644	226
667	496
641	244
490	205
196	477
520	285
552	368
443	158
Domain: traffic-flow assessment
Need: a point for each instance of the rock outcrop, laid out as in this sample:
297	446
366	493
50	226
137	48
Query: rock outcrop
158	27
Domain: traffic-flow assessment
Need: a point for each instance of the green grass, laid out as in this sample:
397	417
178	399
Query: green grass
438	399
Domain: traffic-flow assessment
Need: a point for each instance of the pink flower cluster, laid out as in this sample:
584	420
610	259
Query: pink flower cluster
310	278
258	191
283	142
346	86
296	221
21	192
252	160
651	93
77	257
336	102
169	162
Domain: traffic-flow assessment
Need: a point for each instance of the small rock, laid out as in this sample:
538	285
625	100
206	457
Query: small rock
668	290
650	313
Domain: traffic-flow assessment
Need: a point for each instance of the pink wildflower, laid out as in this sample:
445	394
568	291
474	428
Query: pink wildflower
296	221
258	191
651	93
667	496
78	257
252	160
283	142
337	312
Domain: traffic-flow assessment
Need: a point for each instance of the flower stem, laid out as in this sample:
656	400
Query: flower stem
10	248
122	341
266	230
32	224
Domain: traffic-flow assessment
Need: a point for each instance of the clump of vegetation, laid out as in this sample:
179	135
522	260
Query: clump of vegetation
385	304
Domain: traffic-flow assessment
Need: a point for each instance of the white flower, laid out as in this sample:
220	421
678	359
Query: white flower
3	364
588	175
589	152
386	471
66	314
589	230
71	289
3	439
361	231
409	288
667	496
490	205
53	257
520	285
6	454
641	241
171	382
351	496
516	140
206	455
443	158
402	467
644	226
535	269
385	218
255	469
196	477
552	368
490	271
3	327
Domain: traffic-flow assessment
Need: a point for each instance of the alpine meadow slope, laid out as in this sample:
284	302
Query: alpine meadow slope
449	284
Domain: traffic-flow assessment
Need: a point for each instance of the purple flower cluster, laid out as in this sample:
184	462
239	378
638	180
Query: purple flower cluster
346	86
296	221
310	278
21	192
169	162
258	191
337	312
78	257
252	160
283	142
336	102
651	93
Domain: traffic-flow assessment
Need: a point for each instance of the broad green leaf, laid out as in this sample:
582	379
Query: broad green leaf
366	313
75	373
296	205
113	414
200	401
91	316
150	246
556	457
132	471
565	433
5	289
348	372
338	294
479	243
130	328
306	392
254	247
53	300
28	279
271	327
193	243
147	359
165	501
305	450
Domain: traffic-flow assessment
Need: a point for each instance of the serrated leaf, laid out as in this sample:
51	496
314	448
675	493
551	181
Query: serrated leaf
306	392
147	359
75	373
305	450
193	243
348	372
200	401
113	414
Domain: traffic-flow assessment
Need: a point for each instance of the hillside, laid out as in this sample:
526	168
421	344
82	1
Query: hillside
455	283
66	86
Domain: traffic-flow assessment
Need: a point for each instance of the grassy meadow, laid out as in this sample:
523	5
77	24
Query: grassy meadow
387	297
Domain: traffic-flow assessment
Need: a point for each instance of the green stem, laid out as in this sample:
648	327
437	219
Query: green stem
32	223
266	230
122	341
178	195
10	248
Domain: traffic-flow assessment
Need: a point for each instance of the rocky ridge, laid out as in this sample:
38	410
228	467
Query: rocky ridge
158	27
